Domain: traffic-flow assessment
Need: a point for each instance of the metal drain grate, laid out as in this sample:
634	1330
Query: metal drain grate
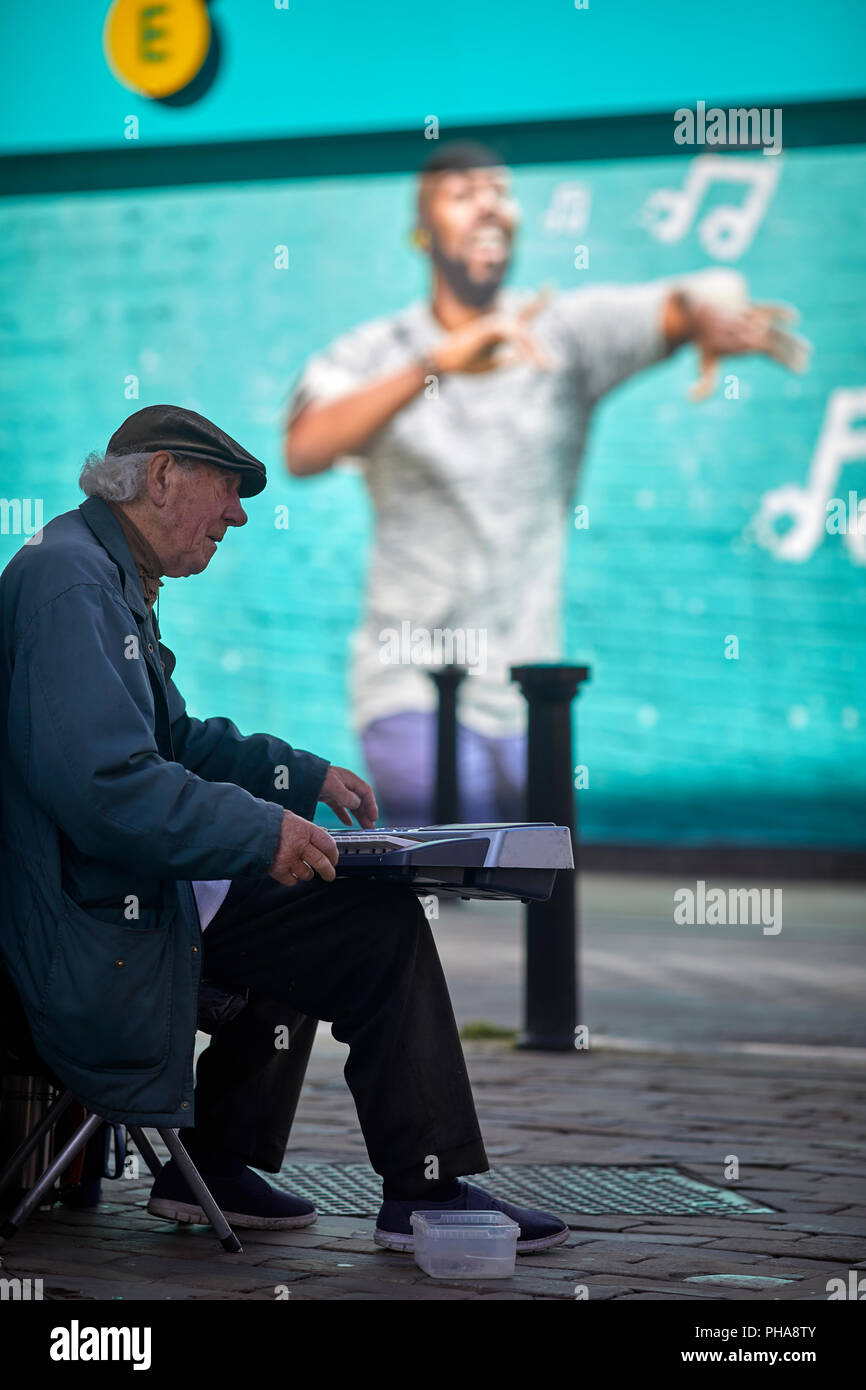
353	1189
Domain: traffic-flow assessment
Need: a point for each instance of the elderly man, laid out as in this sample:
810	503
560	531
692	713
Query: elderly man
144	849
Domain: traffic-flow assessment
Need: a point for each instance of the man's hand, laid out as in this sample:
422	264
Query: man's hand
755	328
345	791
721	321
304	850
475	346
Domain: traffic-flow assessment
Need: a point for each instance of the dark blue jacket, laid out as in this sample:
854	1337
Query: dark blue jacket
112	800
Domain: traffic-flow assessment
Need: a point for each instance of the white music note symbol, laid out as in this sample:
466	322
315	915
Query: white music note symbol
568	209
727	231
837	445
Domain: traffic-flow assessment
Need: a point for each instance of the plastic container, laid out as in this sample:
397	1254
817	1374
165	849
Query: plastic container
465	1244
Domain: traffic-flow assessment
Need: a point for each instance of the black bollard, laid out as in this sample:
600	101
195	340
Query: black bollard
551	1010
447	799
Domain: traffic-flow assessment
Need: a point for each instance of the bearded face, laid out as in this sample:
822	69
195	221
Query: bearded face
471	220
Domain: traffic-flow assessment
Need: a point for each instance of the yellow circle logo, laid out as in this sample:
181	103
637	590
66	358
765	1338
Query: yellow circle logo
156	48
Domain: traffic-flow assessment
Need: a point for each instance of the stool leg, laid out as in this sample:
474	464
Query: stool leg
61	1160
145	1148
196	1183
32	1142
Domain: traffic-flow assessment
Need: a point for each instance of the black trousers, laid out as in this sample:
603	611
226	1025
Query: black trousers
360	955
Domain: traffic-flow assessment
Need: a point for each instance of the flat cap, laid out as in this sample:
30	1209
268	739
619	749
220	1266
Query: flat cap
181	431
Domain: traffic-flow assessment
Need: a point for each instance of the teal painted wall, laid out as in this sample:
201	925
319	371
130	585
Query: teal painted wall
324	66
179	288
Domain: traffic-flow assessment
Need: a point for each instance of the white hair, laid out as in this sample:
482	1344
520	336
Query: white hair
120	477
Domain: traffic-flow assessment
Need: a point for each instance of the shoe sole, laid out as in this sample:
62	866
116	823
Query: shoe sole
392	1240
188	1215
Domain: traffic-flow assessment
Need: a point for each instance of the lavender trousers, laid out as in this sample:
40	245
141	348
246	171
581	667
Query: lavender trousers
400	752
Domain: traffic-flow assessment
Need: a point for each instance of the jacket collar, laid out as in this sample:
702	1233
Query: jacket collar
107	530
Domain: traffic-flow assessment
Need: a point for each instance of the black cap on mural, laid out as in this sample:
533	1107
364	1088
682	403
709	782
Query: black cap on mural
183	432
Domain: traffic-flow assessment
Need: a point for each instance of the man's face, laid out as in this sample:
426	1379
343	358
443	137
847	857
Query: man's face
472	219
198	507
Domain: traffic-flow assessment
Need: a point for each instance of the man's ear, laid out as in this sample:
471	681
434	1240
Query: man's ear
421	238
157	481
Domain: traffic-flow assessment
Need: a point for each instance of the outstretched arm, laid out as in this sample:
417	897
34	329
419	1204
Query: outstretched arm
610	332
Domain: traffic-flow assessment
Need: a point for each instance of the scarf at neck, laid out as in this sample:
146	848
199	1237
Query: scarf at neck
145	558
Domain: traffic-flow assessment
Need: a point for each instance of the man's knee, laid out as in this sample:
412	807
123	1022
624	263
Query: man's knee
388	903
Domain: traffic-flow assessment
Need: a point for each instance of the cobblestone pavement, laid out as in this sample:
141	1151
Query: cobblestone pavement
794	1123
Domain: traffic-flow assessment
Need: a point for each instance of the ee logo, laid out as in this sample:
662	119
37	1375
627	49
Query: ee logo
157	49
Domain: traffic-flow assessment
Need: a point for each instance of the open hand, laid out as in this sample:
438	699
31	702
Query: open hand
477	346
720	331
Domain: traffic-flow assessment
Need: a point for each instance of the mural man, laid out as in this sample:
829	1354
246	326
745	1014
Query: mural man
469	415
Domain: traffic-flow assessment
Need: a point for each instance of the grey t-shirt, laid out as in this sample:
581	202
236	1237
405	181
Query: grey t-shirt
472	484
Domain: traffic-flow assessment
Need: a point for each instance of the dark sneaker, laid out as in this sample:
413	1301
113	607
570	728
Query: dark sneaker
538	1230
246	1201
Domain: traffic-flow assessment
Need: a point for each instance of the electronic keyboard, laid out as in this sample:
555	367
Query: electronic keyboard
466	861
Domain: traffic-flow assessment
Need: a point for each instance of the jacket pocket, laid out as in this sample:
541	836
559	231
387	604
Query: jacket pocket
107	1004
